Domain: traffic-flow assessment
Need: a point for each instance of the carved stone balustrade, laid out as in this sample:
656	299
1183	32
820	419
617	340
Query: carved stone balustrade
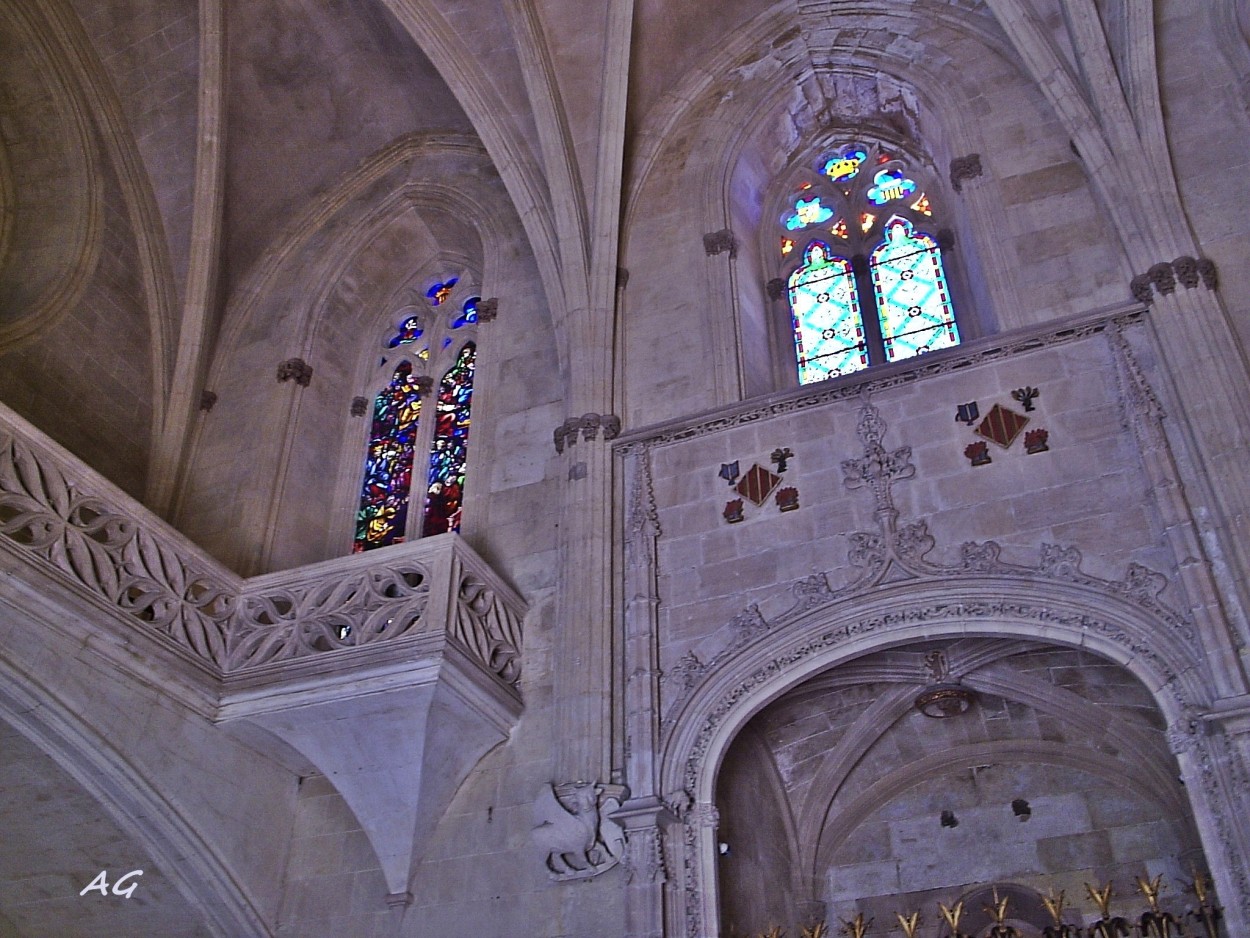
390	672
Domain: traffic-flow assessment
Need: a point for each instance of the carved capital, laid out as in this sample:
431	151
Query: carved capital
964	168
1186	269
1206	270
208	400
297	370
775	288
360	406
720	242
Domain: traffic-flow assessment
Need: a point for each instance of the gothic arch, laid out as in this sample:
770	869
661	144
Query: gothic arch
1118	628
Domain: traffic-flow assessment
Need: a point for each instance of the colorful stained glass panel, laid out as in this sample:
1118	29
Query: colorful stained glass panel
468	313
445	493
912	296
808	212
383	513
409	331
828	327
844	165
889	185
440	290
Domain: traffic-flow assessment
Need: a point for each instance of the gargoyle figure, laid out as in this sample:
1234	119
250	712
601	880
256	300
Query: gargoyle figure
576	831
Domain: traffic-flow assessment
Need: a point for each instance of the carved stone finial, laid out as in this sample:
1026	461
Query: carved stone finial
488	310
1163	277
573	824
964	168
208	400
295	369
1139	286
720	242
877	469
360	406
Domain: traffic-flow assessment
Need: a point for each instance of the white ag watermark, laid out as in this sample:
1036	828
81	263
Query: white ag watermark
101	883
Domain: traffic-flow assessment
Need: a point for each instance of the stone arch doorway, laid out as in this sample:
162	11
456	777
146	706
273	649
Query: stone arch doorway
841	796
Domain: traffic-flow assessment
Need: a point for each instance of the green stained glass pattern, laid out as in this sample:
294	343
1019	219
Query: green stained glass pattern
912	297
828	326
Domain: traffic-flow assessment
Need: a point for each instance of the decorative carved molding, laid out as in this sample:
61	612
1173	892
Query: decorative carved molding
488	310
297	370
936	363
46	513
208	400
964	168
573	824
588	426
48	510
720	242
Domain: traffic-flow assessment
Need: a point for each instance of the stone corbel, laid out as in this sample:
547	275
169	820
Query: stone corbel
720	242
1139	286
588	427
1165	275
488	310
964	168
574	826
297	370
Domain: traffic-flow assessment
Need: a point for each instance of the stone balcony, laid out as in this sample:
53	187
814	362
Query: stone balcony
391	672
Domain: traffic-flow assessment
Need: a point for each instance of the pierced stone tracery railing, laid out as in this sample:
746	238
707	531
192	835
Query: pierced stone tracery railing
55	509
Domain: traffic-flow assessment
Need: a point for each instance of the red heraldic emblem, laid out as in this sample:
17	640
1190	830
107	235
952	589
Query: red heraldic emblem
1002	426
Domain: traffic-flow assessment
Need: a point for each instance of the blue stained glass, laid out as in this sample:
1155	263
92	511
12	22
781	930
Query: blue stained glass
445	493
441	290
889	185
468	313
913	300
383	513
409	331
808	212
828	327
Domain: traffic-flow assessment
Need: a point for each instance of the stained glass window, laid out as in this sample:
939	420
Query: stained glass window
409	331
867	201
445	490
828	327
439	291
383	511
468	313
913	300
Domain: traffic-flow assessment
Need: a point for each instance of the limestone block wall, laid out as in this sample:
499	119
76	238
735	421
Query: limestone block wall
1087	490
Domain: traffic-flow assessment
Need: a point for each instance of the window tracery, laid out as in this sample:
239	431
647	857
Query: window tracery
866	279
427	359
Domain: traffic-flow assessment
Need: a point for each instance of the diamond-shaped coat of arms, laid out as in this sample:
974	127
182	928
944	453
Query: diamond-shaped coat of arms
757	484
1002	425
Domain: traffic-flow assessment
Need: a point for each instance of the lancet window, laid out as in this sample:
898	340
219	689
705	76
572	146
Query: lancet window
864	275
418	444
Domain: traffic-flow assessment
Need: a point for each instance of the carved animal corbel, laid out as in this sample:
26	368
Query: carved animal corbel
574	827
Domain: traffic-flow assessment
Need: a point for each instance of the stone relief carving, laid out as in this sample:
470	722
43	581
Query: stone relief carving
574	827
297	370
894	553
1163	277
